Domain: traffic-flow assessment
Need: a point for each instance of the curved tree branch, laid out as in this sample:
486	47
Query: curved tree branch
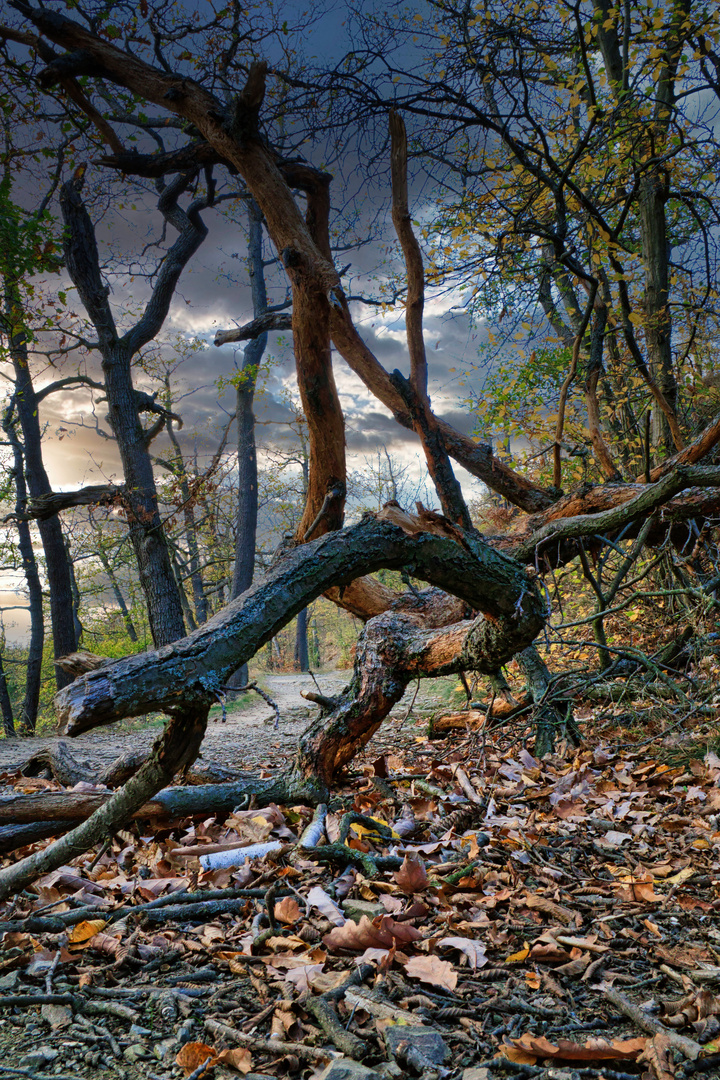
272	320
192	670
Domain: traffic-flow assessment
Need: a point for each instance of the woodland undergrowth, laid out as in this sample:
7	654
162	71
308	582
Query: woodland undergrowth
467	911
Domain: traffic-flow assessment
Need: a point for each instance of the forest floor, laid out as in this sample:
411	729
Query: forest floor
555	919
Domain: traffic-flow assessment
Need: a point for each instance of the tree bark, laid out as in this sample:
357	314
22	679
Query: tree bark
33	672
302	660
247	490
56	560
194	670
415	392
6	709
393	649
658	322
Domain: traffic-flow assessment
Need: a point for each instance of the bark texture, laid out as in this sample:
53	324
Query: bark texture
38	485
195	668
124	403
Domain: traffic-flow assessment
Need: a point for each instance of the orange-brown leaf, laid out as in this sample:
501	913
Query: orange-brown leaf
658	1055
380	933
238	1058
412	876
193	1054
592	1050
80	935
287	910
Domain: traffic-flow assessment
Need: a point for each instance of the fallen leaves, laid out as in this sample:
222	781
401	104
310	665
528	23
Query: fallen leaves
412	876
381	932
535	1047
429	969
474	950
587	878
287	911
80	935
194	1054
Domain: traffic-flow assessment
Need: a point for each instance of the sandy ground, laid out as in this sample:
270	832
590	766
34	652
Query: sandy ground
247	740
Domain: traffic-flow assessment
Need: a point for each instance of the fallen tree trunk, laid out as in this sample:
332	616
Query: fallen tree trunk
194	669
57	759
25	819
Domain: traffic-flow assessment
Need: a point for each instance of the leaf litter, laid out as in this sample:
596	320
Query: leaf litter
554	918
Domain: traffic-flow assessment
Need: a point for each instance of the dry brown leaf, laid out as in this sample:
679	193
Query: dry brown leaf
326	905
636	889
412	876
429	969
301	976
592	1050
474	950
549	907
577	967
81	934
287	910
380	933
104	943
238	1058
192	1055
514	1053
549	953
658	1055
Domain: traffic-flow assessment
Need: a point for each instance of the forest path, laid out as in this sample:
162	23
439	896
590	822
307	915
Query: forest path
246	741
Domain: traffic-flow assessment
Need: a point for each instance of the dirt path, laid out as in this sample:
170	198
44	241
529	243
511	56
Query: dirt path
247	740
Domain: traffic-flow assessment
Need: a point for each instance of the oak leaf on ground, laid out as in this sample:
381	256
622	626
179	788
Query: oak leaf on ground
592	1050
429	969
380	933
412	876
192	1055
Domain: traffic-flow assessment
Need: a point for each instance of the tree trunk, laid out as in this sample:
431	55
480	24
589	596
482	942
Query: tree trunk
6	708
141	507
302	660
658	322
549	718
33	672
247	484
56	560
415	639
75	591
124	403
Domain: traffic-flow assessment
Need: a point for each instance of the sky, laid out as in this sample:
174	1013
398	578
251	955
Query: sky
213	294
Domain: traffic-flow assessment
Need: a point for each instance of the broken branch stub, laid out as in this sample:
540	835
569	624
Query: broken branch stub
193	670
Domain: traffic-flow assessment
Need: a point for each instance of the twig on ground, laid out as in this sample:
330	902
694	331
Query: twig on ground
270	1046
688	1047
